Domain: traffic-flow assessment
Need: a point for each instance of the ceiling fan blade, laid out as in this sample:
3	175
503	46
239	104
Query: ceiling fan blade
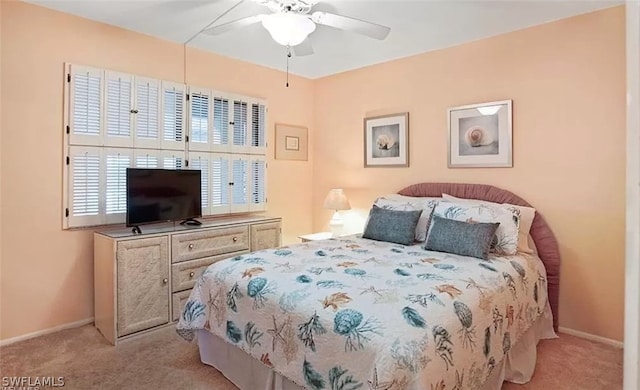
350	24
234	25
303	49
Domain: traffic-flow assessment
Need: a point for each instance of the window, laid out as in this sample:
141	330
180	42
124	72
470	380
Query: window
115	121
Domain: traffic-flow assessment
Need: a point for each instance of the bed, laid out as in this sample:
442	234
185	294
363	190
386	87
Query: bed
351	313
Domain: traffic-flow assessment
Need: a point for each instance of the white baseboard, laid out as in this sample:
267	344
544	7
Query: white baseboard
592	337
43	332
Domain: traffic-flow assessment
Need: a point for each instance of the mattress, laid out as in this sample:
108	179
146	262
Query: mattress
350	312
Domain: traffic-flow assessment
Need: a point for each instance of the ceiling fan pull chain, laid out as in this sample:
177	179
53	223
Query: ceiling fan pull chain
288	56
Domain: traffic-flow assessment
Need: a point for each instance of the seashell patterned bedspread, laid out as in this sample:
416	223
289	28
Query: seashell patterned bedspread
352	313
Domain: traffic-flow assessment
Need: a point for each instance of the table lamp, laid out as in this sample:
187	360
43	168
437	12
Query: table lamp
336	200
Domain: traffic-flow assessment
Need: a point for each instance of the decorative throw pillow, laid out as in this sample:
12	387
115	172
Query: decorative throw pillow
506	242
392	225
527	214
461	238
406	203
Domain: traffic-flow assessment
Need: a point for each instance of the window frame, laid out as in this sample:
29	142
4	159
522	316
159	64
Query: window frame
159	149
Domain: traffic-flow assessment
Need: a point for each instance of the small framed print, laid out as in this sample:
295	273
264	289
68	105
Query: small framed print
386	141
480	135
291	142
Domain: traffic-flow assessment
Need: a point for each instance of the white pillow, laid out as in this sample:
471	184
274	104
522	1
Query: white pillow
508	217
527	214
404	203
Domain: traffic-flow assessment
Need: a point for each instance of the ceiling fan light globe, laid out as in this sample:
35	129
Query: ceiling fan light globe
287	28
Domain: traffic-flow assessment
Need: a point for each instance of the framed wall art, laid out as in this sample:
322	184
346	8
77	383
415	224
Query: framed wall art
386	141
480	135
291	142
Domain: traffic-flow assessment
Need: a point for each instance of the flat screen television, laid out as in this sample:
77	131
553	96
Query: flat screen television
161	195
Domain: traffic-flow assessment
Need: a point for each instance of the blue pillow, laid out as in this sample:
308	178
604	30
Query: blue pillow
392	225
461	238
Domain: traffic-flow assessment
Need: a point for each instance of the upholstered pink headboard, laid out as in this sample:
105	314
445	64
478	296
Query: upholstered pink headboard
540	232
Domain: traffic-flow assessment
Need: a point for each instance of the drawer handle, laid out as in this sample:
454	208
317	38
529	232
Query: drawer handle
235	239
191	274
190	246
165	281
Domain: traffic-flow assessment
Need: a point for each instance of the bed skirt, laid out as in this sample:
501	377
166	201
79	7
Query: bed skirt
248	373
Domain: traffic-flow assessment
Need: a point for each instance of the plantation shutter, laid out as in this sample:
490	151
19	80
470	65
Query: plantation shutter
240	180
85	105
118	104
116	163
146	159
199	119
200	161
173	103
172	160
85	186
220	197
258	184
115	121
147	117
240	121
258	128
220	136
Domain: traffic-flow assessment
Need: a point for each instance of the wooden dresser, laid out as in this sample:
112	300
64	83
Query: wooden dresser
143	280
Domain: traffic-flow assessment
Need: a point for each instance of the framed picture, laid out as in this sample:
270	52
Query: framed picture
480	135
386	141
291	142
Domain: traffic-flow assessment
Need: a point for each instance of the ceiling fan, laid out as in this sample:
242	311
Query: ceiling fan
292	21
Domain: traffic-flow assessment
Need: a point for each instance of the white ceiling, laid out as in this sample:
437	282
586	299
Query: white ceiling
416	26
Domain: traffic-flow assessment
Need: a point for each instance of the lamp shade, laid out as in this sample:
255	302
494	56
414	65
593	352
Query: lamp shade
288	28
336	200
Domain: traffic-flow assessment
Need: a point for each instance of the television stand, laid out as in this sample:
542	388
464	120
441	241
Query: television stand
136	230
191	222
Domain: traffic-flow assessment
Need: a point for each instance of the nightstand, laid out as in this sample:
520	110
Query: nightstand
316	236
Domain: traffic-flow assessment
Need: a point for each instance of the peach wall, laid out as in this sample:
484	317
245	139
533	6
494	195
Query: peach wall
567	83
47	273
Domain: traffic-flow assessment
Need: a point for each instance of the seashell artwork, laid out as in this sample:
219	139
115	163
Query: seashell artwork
478	136
385	142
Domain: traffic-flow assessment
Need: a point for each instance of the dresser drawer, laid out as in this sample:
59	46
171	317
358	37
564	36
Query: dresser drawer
196	245
185	274
265	236
179	299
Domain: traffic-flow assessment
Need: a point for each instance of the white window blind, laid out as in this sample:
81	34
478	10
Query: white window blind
116	164
240	191
172	160
173	99
201	162
240	114
220	124
199	120
220	203
147	108
146	159
118	109
258	116
258	184
85	105
85	170
115	121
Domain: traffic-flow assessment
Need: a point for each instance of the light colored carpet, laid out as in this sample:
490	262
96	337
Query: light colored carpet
162	360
